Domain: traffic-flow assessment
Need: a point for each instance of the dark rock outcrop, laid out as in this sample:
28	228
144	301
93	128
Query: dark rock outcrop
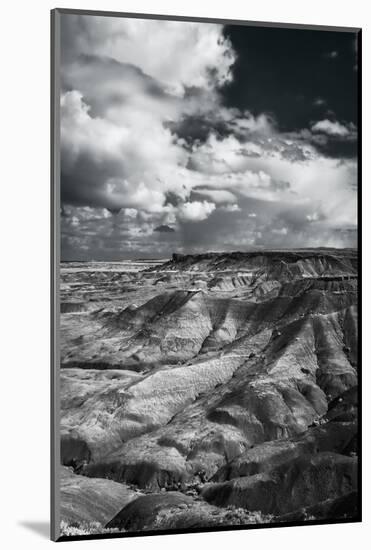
344	507
142	512
297	483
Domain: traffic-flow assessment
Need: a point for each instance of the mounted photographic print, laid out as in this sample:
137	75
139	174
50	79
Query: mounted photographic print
205	196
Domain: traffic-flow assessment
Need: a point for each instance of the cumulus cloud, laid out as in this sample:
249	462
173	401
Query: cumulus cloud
279	173
119	95
281	231
149	151
200	55
218	196
331	128
195	211
312	217
115	165
231	208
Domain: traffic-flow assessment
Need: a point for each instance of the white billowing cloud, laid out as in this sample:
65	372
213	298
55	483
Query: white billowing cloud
195	210
126	85
244	122
281	231
231	208
131	212
121	93
224	156
312	217
219	196
118	165
331	128
177	53
85	214
287	171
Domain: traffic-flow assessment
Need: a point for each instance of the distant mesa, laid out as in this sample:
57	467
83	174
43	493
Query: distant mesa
164	229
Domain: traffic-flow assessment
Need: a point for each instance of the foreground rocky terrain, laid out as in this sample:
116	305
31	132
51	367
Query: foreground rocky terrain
207	390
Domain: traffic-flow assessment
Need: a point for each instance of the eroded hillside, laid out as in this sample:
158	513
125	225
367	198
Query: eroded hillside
211	390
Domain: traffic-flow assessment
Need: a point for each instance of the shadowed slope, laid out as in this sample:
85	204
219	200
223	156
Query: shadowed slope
227	369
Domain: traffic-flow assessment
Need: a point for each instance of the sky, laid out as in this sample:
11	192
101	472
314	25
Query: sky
191	137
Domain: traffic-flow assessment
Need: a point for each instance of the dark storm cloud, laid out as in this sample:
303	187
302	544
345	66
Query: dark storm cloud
82	73
198	128
83	186
164	229
172	198
221	123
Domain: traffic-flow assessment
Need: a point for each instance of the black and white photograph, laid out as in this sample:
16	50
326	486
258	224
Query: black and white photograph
207	194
